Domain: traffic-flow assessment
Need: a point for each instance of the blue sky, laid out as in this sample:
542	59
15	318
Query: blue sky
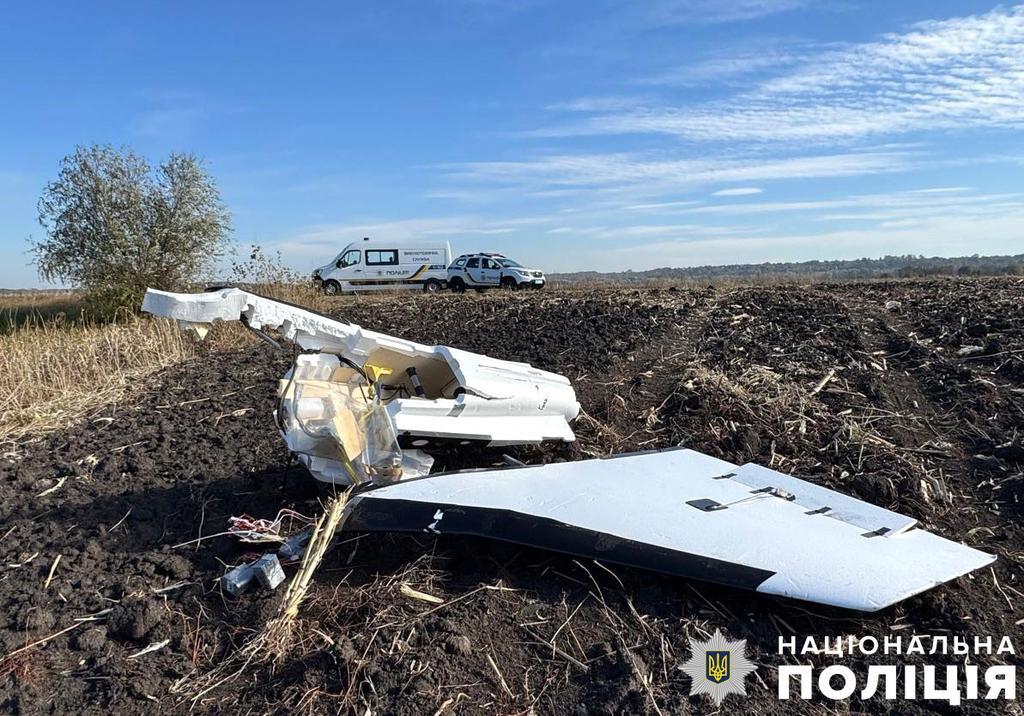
597	134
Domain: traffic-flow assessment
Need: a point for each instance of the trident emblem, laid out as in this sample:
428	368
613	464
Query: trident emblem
718	666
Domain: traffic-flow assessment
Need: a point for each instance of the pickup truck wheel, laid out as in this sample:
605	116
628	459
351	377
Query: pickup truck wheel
509	284
331	288
457	285
432	286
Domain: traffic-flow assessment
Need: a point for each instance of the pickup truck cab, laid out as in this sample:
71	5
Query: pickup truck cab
487	270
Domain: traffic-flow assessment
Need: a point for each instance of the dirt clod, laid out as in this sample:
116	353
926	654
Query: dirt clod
134	618
91	640
460	645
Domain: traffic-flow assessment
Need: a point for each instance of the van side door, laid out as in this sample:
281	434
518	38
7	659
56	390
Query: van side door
382	263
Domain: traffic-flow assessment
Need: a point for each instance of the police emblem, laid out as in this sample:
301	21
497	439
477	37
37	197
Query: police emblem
717	667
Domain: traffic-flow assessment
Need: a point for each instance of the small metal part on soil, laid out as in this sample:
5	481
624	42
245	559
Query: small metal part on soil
268	571
295	546
238	579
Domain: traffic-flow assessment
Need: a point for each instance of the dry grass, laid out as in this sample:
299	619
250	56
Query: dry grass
52	373
36	308
277	637
301	294
57	365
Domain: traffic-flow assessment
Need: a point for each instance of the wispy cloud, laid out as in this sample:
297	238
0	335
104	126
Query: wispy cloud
738	191
662	205
942	190
672	12
947	74
175	116
169	124
731	66
859	207
935	236
656	174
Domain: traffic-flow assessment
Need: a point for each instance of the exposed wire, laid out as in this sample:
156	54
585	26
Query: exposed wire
260	334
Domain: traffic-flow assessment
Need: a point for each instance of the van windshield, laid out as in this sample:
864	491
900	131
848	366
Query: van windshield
509	263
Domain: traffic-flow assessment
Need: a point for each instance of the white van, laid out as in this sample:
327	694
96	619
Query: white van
380	265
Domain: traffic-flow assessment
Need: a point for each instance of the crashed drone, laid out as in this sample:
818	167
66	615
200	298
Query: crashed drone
365	407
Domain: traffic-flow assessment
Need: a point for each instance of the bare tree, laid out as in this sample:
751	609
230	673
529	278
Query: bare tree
114	226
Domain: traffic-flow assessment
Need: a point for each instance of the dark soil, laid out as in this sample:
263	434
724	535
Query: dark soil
906	420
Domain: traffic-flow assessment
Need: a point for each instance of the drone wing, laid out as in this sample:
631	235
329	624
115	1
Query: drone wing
686	514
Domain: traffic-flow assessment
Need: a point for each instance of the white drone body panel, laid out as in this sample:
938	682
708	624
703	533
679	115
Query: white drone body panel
470	397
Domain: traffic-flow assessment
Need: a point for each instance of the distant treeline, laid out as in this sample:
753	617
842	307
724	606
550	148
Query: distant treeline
886	267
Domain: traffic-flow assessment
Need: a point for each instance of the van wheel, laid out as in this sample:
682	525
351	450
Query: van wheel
432	286
332	288
457	285
509	284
